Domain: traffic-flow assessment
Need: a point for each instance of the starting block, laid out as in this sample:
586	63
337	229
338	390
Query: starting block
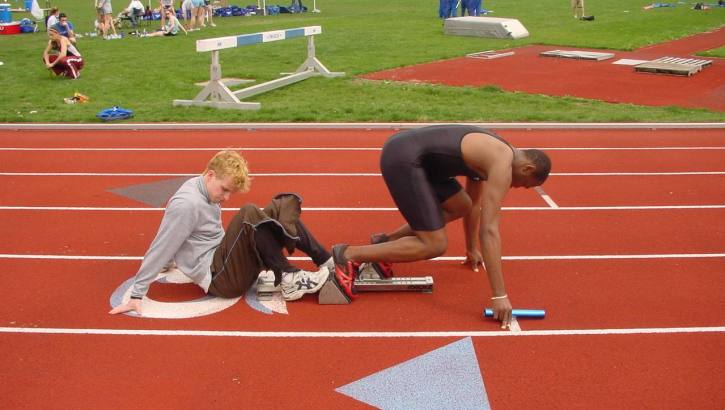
266	288
372	277
332	293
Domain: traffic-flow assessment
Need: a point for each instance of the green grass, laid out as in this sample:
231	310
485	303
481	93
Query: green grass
716	52
358	37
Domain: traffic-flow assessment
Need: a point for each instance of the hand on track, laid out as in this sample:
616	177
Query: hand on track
132	304
474	259
502	311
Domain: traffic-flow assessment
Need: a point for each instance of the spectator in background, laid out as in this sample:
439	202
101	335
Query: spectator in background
65	28
62	56
52	18
209	11
163	6
135	10
172	26
474	7
105	18
197	14
186	9
447	8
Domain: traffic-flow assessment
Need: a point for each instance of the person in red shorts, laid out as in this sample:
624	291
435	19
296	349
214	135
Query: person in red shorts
62	56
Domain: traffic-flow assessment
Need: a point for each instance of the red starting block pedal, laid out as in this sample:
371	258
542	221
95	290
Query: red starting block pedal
375	270
384	269
346	279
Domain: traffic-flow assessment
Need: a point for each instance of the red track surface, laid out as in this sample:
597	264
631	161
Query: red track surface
561	371
528	72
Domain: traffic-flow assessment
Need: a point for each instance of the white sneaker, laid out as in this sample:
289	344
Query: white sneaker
304	282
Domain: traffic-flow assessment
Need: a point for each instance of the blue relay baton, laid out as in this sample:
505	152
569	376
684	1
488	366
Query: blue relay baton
524	313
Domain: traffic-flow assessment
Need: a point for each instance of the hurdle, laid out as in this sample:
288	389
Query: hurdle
216	93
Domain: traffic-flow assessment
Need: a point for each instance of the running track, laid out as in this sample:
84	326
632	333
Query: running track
626	254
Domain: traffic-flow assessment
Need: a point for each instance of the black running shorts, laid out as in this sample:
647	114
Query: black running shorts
417	196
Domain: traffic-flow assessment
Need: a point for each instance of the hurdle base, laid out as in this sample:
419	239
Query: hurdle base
242	105
228	82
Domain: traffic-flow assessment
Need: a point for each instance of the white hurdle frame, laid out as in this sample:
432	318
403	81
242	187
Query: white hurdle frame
216	94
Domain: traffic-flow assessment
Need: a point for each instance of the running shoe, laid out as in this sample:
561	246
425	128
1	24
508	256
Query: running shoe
304	282
345	270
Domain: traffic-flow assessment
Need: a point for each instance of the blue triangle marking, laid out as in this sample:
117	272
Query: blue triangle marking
445	378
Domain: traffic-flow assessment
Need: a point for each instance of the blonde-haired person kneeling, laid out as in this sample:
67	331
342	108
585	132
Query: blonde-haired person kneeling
61	56
226	264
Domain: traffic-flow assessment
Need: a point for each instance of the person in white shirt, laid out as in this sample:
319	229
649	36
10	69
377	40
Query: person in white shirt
134	11
52	18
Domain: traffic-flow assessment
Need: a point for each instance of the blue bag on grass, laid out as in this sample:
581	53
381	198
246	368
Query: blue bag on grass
114	113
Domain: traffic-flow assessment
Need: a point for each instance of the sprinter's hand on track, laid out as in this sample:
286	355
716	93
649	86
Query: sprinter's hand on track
502	311
132	304
474	259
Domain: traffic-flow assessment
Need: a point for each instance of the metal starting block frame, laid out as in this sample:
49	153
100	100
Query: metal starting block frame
266	288
216	93
368	281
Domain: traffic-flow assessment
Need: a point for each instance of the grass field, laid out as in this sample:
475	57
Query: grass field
359	36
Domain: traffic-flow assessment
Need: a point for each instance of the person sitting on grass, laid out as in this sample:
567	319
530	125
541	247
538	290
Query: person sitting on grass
52	18
65	28
170	28
226	264
62	56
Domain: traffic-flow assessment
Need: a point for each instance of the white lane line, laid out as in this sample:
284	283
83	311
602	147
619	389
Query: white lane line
331	174
438	259
374	209
275	149
546	197
428	334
